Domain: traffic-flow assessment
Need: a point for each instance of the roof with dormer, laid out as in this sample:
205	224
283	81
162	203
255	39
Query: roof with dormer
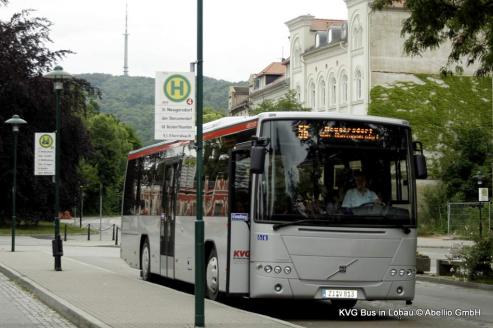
275	68
320	24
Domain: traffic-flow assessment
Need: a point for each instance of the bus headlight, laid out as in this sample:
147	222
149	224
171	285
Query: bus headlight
393	272
277	269
409	273
401	272
287	270
268	269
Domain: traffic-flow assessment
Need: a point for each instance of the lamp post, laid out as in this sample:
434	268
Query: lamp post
58	75
479	177
15	121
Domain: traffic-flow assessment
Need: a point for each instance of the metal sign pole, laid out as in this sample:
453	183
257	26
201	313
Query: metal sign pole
57	242
199	223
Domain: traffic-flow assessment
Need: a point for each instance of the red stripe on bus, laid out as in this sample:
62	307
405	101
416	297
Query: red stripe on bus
231	129
156	149
207	136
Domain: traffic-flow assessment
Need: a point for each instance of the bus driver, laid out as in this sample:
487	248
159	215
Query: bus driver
361	194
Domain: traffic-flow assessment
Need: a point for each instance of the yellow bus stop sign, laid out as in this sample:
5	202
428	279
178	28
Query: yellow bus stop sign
177	88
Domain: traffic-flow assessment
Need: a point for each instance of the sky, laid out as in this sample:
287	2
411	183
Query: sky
241	37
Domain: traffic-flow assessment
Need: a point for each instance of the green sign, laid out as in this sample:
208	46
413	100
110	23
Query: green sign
177	88
46	141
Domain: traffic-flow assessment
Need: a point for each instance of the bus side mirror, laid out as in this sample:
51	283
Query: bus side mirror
419	161
257	159
257	155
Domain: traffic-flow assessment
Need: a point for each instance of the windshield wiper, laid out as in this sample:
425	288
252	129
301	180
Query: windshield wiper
278	226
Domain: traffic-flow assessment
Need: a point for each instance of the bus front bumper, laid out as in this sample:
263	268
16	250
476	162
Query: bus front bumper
274	287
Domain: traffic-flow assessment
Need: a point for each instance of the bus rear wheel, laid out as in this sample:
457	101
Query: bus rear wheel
145	260
212	276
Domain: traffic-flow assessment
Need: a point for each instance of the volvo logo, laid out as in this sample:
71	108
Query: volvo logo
342	268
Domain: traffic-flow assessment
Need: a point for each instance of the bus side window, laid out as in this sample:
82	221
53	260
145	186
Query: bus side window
241	194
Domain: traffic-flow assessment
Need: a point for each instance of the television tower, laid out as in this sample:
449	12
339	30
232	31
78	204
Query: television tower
125	58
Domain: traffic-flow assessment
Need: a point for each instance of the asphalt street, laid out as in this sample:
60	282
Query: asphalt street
435	305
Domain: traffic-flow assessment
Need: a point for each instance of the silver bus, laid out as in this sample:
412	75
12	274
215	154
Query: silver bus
286	213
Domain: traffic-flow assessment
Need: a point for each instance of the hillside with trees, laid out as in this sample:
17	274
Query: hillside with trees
94	145
131	100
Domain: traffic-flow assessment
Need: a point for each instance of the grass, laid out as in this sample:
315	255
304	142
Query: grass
486	280
43	228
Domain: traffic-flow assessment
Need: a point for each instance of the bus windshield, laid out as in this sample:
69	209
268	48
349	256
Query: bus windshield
336	172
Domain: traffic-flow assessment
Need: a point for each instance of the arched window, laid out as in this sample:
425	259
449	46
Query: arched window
311	92
296	54
321	94
357	33
332	90
344	88
358	85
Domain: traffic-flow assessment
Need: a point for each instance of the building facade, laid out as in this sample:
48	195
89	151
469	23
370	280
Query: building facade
334	64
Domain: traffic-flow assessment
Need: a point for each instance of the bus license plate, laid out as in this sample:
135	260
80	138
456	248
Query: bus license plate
339	293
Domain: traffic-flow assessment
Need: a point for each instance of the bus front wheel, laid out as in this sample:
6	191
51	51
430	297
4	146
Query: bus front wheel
145	260
212	276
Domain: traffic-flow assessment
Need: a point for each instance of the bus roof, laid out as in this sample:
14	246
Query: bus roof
231	124
330	115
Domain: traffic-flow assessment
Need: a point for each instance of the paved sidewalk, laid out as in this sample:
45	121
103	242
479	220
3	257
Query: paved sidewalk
439	248
442	242
111	294
20	309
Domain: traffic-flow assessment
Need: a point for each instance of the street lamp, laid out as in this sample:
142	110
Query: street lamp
58	75
15	121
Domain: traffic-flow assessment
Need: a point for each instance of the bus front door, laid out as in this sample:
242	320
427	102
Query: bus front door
167	252
239	221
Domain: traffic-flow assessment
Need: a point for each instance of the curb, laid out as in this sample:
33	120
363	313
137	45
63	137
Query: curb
75	315
81	318
466	284
440	247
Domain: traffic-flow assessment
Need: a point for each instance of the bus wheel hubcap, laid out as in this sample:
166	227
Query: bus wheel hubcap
212	275
145	261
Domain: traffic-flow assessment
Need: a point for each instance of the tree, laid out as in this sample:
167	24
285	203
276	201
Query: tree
462	161
210	114
131	100
111	141
24	59
467	24
287	103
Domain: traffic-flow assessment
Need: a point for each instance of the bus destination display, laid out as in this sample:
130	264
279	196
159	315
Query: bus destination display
304	132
